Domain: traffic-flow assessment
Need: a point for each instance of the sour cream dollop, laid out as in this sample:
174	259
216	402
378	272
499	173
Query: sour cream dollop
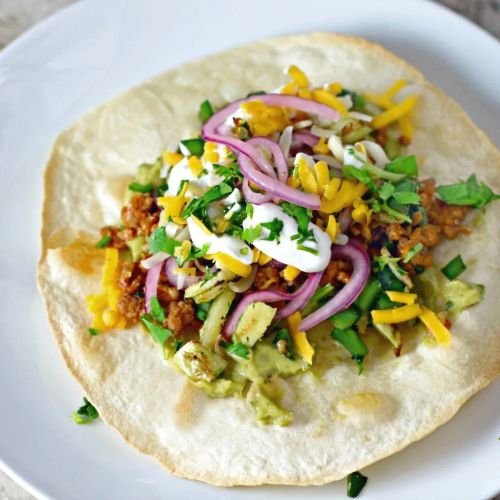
224	243
285	250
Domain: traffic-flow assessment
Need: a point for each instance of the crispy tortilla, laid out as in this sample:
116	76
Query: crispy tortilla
343	421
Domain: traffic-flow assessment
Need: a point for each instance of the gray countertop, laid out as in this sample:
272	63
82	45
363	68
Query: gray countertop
17	16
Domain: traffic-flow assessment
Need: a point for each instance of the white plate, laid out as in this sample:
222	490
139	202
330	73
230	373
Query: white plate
91	52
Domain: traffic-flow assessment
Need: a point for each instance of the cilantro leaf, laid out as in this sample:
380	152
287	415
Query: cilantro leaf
386	191
159	333
406	165
193	147
250	234
159	241
359	174
86	413
156	310
302	215
215	193
469	192
275	226
198	253
93	331
407	198
237	349
230	171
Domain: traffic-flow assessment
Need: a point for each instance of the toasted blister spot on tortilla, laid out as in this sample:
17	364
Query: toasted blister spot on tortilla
123	373
365	405
82	257
188	407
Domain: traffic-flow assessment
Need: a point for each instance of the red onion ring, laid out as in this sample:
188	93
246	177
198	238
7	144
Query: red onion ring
252	196
210	133
278	155
173	278
268	296
361	271
306	292
151	286
300	138
275	187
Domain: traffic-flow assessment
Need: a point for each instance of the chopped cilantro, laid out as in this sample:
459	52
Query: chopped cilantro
137	187
468	192
159	241
244	251
256	92
103	242
86	413
249	210
206	111
275	226
407	198
93	331
301	214
416	249
229	171
406	165
386	191
359	174
250	234
215	193
156	310
158	333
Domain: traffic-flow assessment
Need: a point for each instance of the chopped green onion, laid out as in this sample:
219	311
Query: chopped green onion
416	249
351	340
137	187
368	295
256	92
194	147
104	242
206	111
307	249
85	414
406	166
454	268
355	483
93	331
389	281
345	319
356	135
379	173
384	302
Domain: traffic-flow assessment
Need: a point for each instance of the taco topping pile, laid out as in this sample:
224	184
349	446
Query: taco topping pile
289	210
